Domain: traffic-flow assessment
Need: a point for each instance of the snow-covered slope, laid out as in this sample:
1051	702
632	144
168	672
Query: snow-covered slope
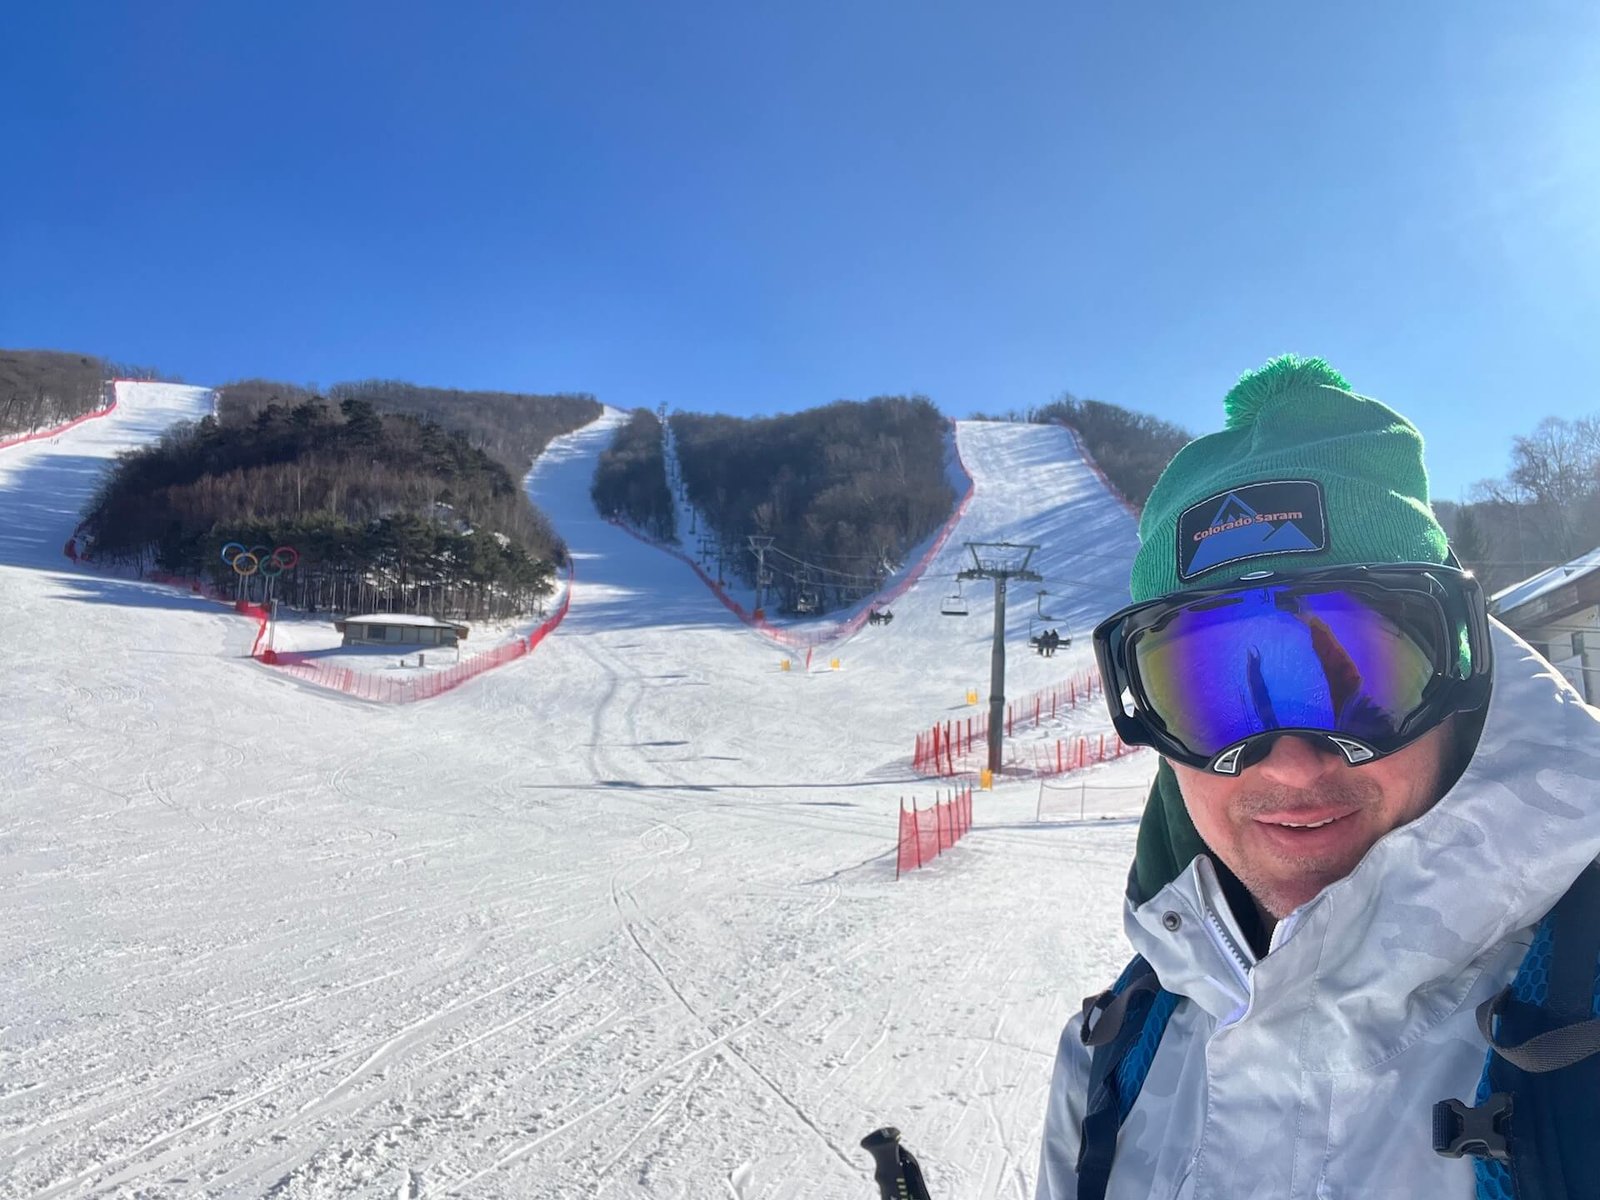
44	484
619	919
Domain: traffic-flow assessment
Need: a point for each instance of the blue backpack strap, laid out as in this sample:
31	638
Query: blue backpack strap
1124	1025
1537	1108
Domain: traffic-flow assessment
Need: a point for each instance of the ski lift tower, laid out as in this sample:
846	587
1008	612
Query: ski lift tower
760	545
1001	562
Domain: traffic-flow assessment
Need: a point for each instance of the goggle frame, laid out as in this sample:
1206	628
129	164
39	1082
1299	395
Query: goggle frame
1455	594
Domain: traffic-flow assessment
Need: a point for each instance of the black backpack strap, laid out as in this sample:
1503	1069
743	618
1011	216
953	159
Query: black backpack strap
1539	1098
1133	1012
1112	1004
1575	934
1549	1051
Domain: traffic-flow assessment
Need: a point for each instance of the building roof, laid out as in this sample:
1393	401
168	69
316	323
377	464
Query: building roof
1536	586
417	619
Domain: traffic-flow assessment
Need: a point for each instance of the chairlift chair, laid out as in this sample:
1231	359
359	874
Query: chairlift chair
1041	624
806	599
955	604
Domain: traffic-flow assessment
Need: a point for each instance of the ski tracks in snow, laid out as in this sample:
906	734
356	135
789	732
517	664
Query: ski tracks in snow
619	920
637	929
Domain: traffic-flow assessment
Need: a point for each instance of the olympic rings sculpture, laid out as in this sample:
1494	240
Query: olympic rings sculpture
248	560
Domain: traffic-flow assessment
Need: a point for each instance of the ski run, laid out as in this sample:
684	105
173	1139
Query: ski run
617	919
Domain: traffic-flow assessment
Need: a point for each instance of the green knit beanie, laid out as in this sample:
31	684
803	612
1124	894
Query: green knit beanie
1304	474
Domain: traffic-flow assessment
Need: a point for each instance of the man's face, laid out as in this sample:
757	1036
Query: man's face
1256	822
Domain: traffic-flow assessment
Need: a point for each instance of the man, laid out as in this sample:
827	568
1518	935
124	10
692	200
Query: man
1369	796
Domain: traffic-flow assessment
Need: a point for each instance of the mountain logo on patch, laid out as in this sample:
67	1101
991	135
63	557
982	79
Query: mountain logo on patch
1283	516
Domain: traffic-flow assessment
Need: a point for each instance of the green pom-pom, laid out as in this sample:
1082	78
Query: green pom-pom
1283	374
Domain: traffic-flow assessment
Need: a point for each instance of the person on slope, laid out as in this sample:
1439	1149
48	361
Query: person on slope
1369	798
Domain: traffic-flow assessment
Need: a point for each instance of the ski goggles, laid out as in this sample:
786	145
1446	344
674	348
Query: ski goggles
1368	657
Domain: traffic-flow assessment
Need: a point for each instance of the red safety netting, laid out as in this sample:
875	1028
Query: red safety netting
388	689
813	638
383	689
41	434
1065	755
1105	482
942	748
260	616
928	832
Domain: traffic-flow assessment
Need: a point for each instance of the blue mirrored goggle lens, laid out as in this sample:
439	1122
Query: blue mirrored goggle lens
1281	657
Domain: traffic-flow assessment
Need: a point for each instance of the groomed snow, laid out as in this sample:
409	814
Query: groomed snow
616	920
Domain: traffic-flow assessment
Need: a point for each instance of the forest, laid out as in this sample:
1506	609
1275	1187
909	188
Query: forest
513	428
1131	448
41	389
386	511
843	491
630	480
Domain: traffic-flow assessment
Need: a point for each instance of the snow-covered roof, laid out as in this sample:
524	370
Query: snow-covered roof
1535	586
402	619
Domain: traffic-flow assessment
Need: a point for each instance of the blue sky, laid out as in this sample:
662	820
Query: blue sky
758	207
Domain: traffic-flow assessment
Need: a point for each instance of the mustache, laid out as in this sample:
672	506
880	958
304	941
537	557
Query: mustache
1352	793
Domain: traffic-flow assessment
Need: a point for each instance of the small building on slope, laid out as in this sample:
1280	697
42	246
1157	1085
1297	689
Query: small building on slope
399	629
1558	613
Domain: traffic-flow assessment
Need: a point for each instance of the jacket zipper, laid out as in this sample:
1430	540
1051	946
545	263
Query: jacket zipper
1224	941
1230	948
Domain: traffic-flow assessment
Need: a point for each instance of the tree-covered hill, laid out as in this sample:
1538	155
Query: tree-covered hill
513	428
844	491
387	511
630	480
40	389
1131	448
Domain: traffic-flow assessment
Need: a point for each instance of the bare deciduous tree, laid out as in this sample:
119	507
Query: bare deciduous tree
40	389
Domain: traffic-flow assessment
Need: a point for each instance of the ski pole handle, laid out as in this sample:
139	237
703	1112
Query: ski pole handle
896	1172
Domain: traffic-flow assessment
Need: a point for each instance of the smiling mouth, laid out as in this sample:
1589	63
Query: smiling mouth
1306	820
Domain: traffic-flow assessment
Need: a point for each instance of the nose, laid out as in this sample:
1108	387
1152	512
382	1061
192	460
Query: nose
1298	762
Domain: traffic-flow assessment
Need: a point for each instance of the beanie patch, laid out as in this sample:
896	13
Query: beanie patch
1255	520
1350	487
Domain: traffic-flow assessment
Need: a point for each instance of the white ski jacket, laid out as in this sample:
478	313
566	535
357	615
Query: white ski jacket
1312	1073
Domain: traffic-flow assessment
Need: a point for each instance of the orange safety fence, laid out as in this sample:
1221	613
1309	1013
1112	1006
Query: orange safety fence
928	832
